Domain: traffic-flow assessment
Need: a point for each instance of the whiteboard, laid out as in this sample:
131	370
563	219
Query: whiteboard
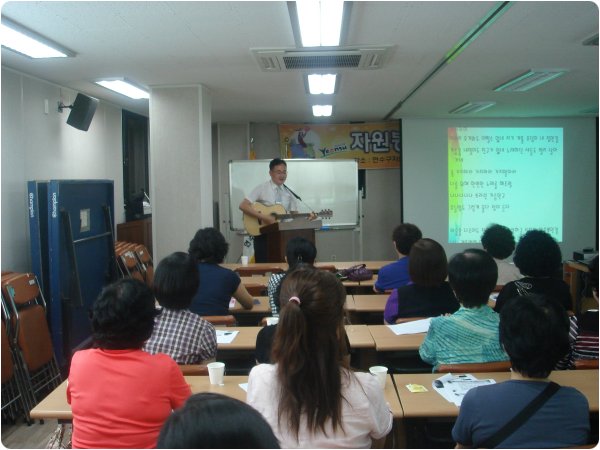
321	184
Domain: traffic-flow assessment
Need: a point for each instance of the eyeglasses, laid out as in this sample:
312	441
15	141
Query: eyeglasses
280	172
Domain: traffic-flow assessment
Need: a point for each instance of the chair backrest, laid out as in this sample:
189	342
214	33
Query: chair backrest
249	271
193	369
28	315
408	319
228	321
586	364
493	366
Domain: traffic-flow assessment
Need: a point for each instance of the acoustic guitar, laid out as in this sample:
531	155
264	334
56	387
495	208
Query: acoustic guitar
252	224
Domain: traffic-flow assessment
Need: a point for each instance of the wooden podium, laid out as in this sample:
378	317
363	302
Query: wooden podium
279	233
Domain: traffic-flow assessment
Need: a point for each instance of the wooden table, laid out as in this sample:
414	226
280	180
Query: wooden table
431	404
386	340
370	303
55	405
244	340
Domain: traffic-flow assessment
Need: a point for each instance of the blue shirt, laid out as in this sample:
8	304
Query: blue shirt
393	275
563	421
217	285
470	335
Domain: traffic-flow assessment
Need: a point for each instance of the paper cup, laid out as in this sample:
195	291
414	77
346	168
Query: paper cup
381	373
216	372
272	320
244	260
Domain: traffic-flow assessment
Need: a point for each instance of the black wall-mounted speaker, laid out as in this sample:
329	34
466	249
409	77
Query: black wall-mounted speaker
82	112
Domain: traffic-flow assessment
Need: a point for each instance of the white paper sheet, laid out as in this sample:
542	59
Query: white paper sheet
244	386
416	326
226	337
456	386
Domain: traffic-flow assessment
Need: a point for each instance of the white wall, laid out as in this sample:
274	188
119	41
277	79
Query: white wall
39	146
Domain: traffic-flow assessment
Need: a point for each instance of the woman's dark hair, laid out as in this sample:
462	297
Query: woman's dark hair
472	275
276	162
176	281
427	263
537	254
404	236
498	241
309	347
534	330
208	246
300	251
123	315
216	421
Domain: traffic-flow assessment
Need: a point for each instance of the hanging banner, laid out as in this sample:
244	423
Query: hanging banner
373	145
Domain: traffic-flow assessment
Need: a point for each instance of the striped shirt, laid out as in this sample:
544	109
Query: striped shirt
272	286
470	335
183	335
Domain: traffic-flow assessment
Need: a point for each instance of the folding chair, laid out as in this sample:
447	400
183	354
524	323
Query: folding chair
128	262
13	402
30	336
146	263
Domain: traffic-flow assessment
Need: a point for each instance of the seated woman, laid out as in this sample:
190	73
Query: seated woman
470	335
210	420
178	332
309	396
499	242
539	259
265	337
534	332
429	294
120	395
217	284
297	251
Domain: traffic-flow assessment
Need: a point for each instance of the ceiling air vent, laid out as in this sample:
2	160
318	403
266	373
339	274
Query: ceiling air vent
284	60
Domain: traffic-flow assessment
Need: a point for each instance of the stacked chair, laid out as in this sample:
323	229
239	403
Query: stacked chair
134	261
35	371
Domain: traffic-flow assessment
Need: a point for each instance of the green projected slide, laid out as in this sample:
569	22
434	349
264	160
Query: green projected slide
510	176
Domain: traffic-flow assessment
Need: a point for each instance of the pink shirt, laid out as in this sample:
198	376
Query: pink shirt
121	398
365	413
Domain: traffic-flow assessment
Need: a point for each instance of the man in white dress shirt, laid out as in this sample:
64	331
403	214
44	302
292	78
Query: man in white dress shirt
269	193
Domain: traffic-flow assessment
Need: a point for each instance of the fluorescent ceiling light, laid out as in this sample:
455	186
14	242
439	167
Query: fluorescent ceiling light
320	22
530	79
472	107
124	87
322	110
321	83
28	43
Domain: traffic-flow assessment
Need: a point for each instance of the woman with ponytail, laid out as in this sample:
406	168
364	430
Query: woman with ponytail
309	396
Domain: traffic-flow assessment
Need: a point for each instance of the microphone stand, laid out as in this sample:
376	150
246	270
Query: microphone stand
298	197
